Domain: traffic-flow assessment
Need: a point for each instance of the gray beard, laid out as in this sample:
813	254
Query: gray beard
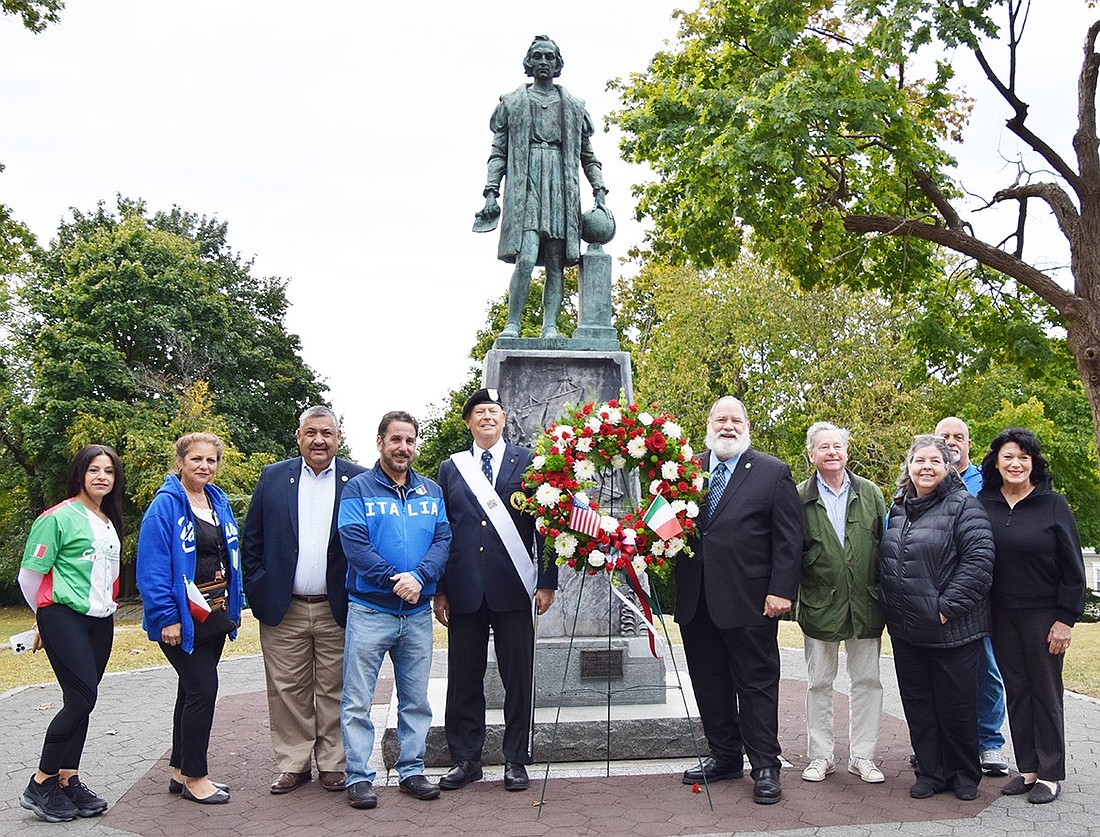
726	448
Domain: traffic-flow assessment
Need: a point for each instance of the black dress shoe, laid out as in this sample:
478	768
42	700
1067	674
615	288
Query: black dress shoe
515	777
765	789
419	786
218	797
361	795
461	775
177	787
713	771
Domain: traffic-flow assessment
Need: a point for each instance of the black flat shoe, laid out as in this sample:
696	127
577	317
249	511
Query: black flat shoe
177	787
712	770
1017	786
218	797
515	777
1041	794
461	775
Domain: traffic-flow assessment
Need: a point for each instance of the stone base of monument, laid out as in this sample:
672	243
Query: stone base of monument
640	731
585	673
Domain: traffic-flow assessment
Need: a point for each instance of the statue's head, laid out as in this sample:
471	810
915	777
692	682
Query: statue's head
539	46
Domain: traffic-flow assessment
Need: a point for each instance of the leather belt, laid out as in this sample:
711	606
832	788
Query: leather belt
309	599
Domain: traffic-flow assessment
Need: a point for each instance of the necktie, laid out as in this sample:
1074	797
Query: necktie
487	465
718	479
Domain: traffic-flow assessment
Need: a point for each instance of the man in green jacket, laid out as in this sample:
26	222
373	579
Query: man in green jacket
843	517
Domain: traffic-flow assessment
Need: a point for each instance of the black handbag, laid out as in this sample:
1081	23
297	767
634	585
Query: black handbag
217	622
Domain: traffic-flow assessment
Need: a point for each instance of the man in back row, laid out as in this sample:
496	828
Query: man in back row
991	689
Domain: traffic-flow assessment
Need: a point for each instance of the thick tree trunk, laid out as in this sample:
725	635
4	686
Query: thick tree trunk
1083	338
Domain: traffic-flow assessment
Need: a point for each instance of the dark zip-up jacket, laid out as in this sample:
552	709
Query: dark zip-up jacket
1039	563
937	557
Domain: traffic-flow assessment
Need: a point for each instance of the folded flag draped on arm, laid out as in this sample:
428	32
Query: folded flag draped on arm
661	519
582	519
196	602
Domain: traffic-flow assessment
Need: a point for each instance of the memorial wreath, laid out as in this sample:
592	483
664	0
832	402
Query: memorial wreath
611	436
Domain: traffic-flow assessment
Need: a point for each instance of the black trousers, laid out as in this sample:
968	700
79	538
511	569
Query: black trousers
467	656
735	677
1033	689
78	648
195	698
939	693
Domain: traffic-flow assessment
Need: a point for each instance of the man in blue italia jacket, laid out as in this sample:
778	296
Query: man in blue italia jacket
395	533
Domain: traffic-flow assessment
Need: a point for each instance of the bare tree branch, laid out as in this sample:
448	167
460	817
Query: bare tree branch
1017	126
1084	139
1065	212
933	193
1065	302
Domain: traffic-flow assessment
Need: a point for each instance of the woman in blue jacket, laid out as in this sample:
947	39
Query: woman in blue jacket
188	572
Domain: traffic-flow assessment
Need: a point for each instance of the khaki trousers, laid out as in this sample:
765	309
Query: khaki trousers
304	662
864	701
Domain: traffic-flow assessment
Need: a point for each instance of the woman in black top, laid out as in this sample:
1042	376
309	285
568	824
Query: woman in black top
1038	594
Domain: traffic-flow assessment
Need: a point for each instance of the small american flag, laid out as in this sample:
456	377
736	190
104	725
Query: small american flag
582	519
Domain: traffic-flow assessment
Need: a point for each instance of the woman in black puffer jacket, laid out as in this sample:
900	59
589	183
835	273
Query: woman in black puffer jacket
935	570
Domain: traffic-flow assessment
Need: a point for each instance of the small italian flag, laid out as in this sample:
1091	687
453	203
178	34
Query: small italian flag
196	602
40	550
661	519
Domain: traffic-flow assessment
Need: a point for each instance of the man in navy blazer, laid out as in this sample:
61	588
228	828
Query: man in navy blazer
729	595
487	586
294	578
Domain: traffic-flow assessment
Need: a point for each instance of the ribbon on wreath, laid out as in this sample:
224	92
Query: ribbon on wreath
623	541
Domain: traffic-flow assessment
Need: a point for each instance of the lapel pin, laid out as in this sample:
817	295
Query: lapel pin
748	465
292	480
344	478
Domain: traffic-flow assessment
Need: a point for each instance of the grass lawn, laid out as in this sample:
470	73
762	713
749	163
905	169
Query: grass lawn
132	650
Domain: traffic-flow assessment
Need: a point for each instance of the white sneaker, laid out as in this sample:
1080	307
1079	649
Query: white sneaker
866	770
818	769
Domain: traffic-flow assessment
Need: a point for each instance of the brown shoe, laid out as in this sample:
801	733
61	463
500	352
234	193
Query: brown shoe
332	780
286	782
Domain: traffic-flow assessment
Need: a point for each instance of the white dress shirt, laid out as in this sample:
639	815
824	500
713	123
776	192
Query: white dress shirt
316	499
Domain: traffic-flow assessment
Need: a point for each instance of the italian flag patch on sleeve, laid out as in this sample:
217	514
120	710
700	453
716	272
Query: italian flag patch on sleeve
40	550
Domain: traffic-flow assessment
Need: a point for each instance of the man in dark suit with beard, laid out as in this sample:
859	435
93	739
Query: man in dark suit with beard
493	575
729	596
294	569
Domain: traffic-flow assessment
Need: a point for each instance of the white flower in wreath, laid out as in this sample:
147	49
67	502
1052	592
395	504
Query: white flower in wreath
584	444
697	483
678	506
581	497
618	461
658	549
584	470
636	447
609	524
639	564
547	495
596	558
540	523
538	462
655	487
672	430
670	470
645	419
593	423
673	546
630	536
687	451
563	432
565	545
692	509
614	415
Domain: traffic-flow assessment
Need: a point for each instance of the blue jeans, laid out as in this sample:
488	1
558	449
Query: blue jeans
991	700
408	639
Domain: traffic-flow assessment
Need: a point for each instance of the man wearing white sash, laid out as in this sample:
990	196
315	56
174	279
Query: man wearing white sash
495	578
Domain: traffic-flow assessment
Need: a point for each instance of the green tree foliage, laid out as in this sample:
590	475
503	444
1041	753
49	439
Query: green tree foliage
802	123
35	14
132	329
792	356
132	308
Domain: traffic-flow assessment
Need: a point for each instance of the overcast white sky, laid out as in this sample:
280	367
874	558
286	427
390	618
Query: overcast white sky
345	144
